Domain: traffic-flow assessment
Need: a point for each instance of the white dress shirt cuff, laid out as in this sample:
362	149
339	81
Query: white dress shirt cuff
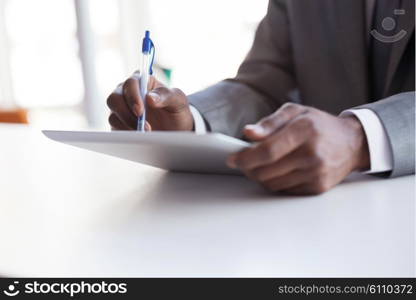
381	157
199	123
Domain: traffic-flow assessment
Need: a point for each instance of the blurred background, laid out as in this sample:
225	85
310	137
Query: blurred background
60	59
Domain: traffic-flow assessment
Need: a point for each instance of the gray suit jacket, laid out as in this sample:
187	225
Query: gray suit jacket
316	53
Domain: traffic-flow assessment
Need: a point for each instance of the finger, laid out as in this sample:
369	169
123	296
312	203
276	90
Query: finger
274	147
304	189
172	100
294	161
119	107
273	122
287	181
116	123
147	126
131	93
154	83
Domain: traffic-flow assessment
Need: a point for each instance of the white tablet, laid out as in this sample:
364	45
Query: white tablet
169	150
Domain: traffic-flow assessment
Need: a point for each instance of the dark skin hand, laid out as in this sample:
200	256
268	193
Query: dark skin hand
167	109
297	150
301	150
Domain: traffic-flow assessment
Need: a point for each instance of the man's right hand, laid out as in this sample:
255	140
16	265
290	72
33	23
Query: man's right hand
166	109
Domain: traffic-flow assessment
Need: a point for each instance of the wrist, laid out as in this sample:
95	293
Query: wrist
359	145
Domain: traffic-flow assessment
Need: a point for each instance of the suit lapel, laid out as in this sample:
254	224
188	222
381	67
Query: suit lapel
405	22
349	35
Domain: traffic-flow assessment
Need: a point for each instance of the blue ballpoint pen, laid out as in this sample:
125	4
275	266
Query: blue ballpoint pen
148	53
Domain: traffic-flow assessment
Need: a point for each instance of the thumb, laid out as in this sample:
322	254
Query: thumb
255	132
273	122
173	100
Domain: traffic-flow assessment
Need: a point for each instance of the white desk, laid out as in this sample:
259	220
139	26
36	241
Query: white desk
69	212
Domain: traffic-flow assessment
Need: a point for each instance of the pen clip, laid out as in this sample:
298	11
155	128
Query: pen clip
148	48
153	57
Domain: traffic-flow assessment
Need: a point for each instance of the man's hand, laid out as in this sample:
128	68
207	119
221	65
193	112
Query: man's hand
302	150
167	109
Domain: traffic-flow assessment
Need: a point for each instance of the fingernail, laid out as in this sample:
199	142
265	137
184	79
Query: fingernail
231	162
257	129
155	97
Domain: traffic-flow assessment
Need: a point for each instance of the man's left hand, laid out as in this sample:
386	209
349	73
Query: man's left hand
302	150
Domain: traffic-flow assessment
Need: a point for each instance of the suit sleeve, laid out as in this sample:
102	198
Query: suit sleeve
264	80
397	114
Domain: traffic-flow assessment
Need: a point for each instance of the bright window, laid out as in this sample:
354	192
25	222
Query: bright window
204	41
44	65
105	23
45	69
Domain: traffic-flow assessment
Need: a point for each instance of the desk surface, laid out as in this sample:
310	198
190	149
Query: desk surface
68	212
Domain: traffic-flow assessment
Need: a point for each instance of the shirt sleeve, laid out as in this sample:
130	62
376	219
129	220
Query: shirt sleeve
381	156
199	123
